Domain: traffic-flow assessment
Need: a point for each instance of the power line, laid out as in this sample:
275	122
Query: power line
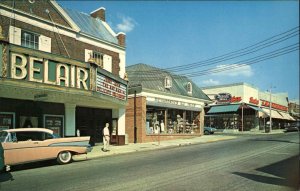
235	54
279	52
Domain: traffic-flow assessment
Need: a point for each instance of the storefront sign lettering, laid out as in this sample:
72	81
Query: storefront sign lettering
227	98
254	101
110	87
174	102
37	70
274	105
223	97
235	99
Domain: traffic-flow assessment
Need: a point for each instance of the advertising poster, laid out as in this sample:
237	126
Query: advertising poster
55	123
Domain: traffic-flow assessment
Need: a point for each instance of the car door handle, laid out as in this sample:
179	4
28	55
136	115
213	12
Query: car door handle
35	142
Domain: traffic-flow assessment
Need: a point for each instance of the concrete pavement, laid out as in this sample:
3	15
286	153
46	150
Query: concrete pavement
131	147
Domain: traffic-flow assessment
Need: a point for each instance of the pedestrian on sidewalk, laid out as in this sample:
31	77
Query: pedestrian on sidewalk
105	138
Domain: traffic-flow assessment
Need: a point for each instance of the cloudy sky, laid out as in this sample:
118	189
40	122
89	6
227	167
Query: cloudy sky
213	43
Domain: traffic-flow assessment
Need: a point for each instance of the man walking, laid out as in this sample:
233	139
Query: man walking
105	138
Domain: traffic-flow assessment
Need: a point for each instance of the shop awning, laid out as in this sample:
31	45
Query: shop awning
223	108
173	106
256	108
287	116
275	114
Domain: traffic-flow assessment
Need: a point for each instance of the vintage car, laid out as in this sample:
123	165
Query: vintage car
1	158
25	145
209	130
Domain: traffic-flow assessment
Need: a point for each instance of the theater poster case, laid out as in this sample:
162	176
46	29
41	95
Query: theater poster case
55	123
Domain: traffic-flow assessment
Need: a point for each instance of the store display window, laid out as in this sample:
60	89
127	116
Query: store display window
171	121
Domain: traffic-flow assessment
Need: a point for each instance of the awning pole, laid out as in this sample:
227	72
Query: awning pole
242	117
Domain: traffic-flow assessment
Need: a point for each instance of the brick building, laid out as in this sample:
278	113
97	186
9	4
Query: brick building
61	69
162	105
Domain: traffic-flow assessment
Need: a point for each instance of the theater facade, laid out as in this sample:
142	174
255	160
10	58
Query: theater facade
61	69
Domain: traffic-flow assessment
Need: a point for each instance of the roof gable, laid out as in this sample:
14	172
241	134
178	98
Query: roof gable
153	78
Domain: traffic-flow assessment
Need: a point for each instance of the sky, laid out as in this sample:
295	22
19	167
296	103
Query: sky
189	34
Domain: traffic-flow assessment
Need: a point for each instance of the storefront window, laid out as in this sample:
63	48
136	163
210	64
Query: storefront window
171	121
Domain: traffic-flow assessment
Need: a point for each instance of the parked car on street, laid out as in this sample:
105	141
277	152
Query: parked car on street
294	126
25	145
209	130
1	158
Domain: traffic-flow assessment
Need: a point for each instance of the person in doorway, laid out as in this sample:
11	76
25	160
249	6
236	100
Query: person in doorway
106	138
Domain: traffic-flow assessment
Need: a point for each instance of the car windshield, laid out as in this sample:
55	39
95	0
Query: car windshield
3	135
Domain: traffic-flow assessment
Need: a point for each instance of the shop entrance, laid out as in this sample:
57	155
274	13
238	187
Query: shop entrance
90	122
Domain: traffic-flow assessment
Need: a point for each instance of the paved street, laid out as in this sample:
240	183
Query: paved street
252	162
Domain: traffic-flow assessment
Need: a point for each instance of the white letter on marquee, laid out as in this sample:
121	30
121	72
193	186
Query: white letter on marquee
21	66
84	78
32	69
66	74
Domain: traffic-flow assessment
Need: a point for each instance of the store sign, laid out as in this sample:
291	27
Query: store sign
111	87
235	99
254	101
274	105
39	70
222	98
160	100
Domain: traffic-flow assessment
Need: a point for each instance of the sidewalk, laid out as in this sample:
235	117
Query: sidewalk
253	132
131	147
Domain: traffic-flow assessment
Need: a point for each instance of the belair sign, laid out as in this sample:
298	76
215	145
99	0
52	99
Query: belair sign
46	71
42	70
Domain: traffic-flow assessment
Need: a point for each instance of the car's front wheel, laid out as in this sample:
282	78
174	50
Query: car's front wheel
64	157
206	132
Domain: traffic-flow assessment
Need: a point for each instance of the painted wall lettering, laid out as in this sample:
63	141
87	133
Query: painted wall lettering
274	105
254	101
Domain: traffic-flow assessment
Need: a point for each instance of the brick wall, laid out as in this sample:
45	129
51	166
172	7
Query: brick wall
140	119
37	8
142	137
76	49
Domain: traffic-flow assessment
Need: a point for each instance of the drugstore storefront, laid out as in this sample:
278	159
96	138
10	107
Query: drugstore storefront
70	97
243	107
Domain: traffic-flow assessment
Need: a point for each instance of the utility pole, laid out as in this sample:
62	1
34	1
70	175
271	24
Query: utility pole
135	128
270	108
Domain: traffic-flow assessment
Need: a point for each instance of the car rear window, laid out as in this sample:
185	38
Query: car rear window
3	135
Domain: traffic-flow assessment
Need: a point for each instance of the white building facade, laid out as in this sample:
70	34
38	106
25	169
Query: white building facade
244	107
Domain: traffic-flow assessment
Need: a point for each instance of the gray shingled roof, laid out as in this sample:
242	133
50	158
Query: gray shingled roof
153	78
91	26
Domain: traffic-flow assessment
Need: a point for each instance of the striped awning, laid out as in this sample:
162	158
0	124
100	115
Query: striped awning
287	116
274	114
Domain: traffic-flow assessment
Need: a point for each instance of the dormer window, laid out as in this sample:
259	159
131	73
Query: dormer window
168	82
189	88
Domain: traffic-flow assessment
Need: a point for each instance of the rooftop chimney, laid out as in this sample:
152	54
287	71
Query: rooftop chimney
99	13
121	38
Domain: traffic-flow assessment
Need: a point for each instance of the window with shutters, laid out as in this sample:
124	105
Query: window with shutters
29	40
98	58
